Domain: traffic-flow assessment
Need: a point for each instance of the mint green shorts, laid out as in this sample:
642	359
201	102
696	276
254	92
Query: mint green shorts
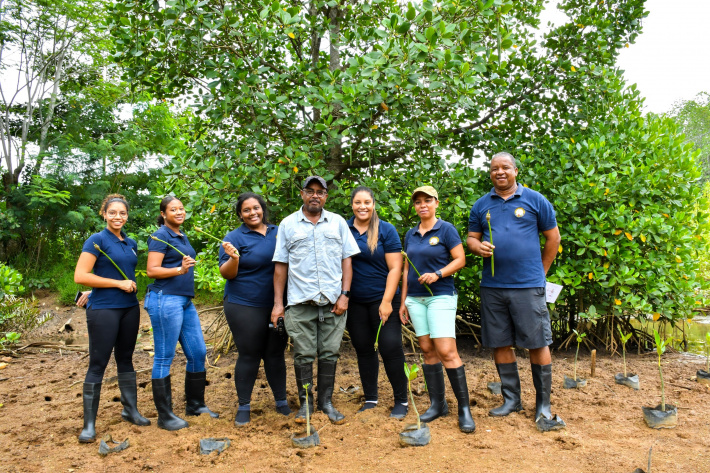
434	315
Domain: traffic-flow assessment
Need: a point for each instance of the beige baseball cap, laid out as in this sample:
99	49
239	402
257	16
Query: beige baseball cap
428	190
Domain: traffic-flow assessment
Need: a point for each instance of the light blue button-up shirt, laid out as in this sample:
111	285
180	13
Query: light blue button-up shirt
314	254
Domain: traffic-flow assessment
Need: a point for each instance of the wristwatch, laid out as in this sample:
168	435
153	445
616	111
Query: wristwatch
345	293
438	273
179	269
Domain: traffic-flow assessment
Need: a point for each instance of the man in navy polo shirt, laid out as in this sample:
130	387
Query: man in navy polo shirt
513	307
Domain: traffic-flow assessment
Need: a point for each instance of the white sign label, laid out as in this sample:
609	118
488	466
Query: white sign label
552	290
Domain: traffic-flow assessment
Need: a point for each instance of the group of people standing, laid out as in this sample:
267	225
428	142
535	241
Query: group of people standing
314	276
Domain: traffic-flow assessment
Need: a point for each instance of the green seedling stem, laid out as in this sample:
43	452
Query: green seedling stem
490	234
171	246
580	337
112	261
707	352
415	269
411	373
377	338
308	414
624	338
660	348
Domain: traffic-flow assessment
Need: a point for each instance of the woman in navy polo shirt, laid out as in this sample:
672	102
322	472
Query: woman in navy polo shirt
245	261
374	295
435	249
174	317
112	312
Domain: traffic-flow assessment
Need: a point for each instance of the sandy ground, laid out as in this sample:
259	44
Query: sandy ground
40	393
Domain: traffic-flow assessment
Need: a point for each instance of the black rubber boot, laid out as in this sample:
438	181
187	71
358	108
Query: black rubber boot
542	380
510	389
457	378
304	375
434	377
163	398
91	396
195	394
326	382
129	399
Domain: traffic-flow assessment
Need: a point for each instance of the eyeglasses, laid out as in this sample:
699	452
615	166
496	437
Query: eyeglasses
113	213
319	193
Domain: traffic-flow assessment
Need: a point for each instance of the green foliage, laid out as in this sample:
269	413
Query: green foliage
9	338
18	314
207	276
10	281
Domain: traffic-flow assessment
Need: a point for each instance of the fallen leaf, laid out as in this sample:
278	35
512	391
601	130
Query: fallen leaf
3	366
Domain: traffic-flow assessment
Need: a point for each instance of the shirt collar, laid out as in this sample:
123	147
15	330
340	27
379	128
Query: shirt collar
170	232
245	229
113	237
518	191
436	226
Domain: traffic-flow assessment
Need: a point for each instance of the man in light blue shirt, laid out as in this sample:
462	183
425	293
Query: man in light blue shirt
313	250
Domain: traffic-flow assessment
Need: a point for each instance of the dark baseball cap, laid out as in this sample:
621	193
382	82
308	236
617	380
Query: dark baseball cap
318	179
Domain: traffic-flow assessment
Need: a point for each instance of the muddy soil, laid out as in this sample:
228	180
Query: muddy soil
41	416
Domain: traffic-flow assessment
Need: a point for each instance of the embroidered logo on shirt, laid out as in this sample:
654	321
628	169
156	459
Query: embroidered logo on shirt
519	212
433	241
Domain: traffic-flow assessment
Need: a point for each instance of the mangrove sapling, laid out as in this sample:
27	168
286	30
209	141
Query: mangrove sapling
417	271
310	440
377	338
200	230
490	234
576	382
631	380
662	416
171	246
414	435
308	414
111	260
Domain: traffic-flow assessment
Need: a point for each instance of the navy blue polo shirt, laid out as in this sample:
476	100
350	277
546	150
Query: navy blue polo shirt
123	253
370	269
254	284
516	224
430	253
179	284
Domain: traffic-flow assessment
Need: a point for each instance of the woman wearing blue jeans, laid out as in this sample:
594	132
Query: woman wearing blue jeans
434	248
171	261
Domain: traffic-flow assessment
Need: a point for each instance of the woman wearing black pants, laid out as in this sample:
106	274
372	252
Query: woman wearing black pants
112	313
245	261
374	297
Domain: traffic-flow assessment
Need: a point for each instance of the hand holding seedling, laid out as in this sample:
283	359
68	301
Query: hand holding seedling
418	274
230	249
126	285
187	263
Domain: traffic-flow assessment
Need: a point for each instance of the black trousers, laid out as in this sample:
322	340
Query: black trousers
362	324
255	341
111	330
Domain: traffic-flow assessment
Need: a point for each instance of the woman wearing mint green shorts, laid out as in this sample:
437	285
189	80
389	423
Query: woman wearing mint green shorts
434	248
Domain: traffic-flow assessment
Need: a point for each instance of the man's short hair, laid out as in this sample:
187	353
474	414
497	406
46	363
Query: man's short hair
507	155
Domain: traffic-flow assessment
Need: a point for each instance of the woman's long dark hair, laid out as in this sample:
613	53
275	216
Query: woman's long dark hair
373	229
163	207
250	195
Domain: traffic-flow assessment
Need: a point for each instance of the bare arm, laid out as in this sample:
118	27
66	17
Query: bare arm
552	244
394	264
230	268
341	305
84	276
280	275
154	269
478	247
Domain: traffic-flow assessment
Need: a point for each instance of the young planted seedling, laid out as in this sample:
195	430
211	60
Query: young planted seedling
308	416
112	261
377	338
624	338
580	337
707	352
171	246
411	373
415	269
490	234
660	349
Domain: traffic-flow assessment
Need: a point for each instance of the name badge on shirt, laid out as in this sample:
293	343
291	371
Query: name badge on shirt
519	212
433	241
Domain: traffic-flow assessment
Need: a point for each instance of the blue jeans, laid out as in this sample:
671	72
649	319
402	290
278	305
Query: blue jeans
174	318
